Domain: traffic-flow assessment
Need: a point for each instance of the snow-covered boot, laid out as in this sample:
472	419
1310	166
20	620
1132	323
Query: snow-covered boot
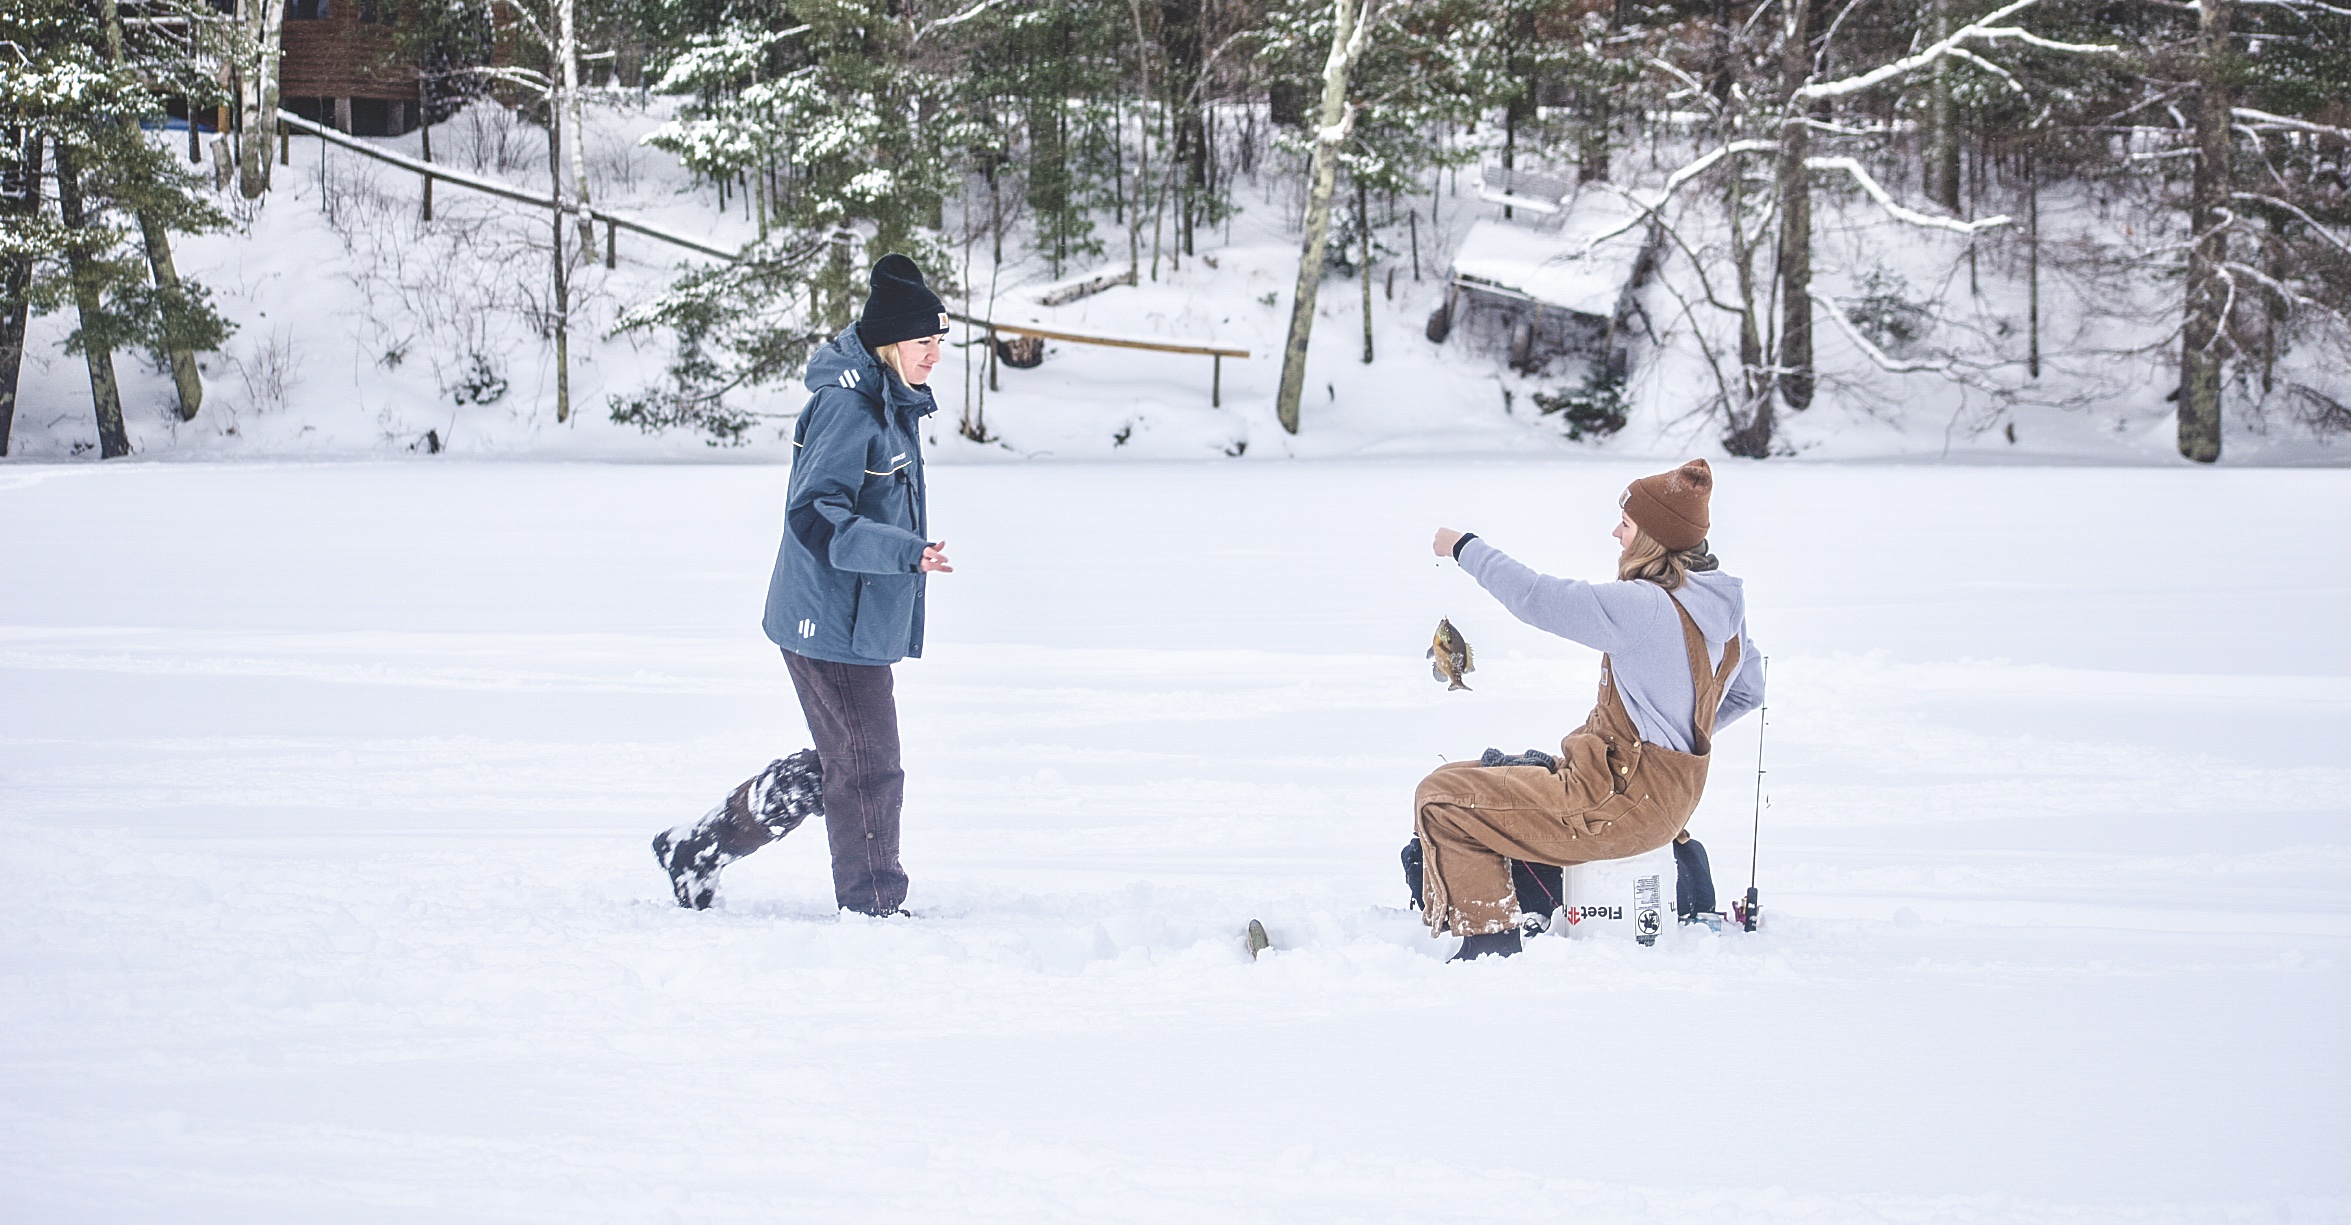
1490	944
764	808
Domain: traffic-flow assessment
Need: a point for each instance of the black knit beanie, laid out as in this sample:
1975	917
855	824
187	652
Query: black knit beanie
902	307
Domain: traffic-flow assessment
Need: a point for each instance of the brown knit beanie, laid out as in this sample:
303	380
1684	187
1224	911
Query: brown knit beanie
1671	506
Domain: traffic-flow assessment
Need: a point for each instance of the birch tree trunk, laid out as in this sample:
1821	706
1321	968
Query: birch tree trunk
1349	28
562	272
1943	155
105	394
2032	255
1142	155
1795	189
568	50
2204	337
1363	263
424	137
266	25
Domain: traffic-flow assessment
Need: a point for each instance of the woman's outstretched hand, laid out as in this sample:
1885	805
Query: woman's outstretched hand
934	559
1446	539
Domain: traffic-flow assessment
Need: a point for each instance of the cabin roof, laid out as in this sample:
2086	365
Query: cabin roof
1550	264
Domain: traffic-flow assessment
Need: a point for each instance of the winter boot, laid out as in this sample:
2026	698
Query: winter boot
1491	944
770	805
1541	889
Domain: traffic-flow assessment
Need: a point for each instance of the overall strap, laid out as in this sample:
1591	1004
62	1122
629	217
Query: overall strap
1706	683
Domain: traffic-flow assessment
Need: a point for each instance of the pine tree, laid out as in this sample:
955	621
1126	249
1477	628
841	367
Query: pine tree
832	110
1353	26
82	94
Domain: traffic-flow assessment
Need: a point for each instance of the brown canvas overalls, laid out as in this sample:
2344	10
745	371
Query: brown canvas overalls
1612	796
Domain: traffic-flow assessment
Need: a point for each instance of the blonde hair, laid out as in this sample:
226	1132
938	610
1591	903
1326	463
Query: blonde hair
888	356
1644	558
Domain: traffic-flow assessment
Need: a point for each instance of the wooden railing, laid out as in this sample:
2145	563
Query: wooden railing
618	221
1216	353
433	170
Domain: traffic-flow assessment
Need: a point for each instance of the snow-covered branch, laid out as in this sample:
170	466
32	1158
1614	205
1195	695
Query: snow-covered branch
1913	216
1673	183
2281	289
1981	29
2307	219
2301	6
537	82
1692	83
1990	67
956	20
2267	120
1877	356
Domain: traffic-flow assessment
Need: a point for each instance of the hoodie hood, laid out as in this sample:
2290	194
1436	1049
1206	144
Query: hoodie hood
1717	602
844	361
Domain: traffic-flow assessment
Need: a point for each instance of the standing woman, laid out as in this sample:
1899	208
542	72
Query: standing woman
1678	664
845	603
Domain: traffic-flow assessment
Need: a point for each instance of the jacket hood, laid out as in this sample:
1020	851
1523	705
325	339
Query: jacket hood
1717	602
844	361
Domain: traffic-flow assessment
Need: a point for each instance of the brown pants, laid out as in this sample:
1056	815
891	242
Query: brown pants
1474	819
852	713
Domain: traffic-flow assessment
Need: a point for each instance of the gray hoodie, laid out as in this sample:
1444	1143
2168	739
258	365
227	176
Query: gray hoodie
1636	625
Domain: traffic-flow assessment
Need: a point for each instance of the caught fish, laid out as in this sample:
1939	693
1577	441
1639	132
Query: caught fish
1452	655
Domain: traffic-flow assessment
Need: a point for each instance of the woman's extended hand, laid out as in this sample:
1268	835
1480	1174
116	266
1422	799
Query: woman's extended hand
1446	539
934	559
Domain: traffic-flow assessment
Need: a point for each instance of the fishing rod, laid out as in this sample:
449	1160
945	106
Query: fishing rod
1751	909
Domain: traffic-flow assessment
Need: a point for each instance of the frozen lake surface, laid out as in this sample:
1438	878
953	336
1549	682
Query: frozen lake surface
326	792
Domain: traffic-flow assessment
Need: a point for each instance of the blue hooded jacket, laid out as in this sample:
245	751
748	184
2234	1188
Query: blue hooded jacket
848	585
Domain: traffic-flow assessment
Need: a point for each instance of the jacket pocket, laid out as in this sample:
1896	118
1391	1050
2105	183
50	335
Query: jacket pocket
883	621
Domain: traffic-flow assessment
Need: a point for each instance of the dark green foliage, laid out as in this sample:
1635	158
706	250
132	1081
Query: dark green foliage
481	383
73	94
1594	410
740	326
1887	314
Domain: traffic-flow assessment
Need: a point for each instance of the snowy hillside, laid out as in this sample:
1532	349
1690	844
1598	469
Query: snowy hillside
325	793
362	331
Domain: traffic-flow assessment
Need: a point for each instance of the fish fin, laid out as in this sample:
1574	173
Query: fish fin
1456	685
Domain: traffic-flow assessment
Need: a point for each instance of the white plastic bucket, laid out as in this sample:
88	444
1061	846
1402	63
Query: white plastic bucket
1620	899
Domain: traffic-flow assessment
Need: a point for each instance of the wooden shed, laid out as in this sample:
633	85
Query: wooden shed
1551	291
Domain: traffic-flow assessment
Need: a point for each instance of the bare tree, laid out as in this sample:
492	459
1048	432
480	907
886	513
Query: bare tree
1352	22
2210	290
1781	365
261	25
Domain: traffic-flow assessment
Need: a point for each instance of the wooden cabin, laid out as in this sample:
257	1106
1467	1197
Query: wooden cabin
342	67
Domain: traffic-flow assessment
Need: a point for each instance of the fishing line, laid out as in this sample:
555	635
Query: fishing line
1747	915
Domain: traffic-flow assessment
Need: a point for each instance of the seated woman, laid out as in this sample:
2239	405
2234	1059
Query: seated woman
1678	664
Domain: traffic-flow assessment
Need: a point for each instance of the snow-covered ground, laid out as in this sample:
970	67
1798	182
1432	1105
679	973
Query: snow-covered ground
325	792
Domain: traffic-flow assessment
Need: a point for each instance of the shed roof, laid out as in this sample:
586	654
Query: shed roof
1550	265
